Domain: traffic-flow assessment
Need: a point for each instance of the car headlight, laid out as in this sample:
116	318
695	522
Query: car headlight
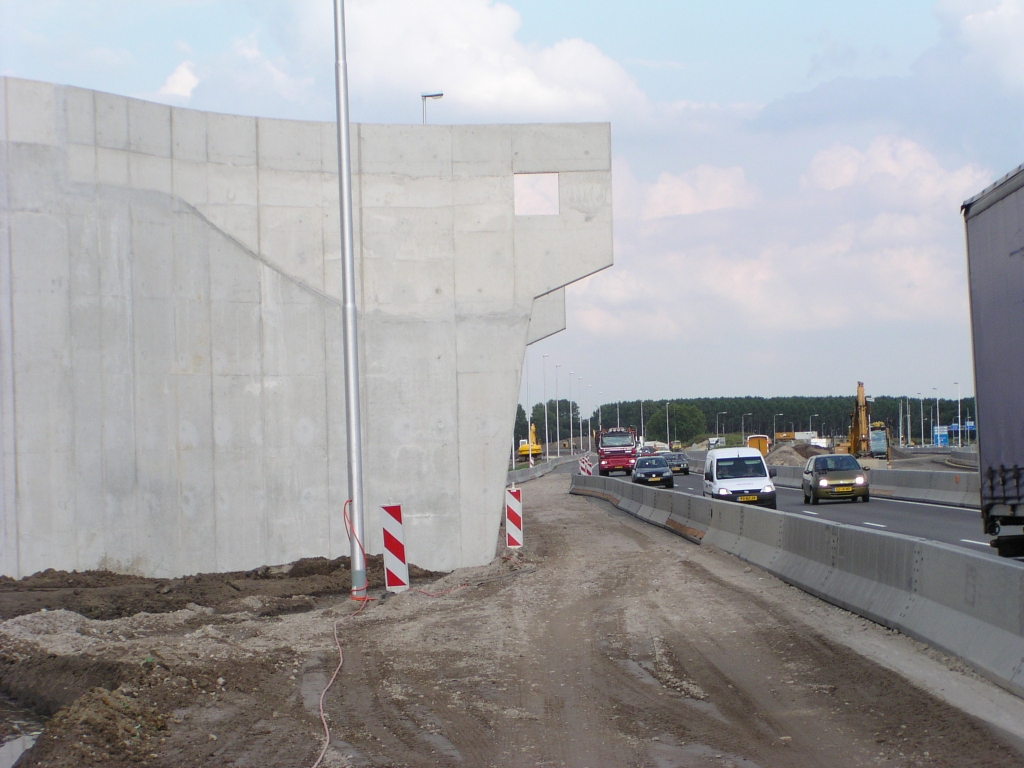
823	482
768	488
723	491
666	473
859	480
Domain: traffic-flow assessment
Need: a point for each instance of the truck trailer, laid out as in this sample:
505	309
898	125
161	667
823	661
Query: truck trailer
994	220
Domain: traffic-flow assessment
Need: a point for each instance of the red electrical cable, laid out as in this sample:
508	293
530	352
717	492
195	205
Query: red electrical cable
351	536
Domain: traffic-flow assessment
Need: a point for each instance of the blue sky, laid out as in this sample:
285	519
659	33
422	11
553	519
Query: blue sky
787	174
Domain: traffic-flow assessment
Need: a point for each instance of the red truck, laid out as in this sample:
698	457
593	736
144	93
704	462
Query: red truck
616	450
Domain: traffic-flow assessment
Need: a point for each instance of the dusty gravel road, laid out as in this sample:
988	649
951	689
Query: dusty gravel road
605	642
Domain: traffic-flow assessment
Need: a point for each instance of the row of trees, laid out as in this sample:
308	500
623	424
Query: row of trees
825	415
692	418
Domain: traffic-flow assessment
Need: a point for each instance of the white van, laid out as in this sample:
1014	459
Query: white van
739	474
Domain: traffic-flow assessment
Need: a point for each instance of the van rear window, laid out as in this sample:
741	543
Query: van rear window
743	466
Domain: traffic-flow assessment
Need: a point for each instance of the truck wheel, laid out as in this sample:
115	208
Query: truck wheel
629	473
865	498
604	472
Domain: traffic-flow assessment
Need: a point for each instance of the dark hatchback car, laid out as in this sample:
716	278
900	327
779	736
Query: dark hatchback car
652	470
834	476
677	462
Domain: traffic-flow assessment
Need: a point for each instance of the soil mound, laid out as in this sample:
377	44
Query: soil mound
104	595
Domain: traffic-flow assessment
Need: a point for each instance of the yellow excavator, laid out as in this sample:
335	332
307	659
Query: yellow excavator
858	438
533	447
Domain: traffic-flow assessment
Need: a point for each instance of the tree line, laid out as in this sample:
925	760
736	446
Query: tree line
695	418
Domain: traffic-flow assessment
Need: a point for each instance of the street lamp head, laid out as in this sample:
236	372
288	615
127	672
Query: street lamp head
431	95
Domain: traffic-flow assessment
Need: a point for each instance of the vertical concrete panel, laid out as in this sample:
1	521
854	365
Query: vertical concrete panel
8	455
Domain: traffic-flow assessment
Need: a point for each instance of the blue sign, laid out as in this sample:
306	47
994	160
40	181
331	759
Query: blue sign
940	436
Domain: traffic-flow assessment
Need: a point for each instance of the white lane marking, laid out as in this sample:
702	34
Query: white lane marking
972	510
808	512
876	525
979	543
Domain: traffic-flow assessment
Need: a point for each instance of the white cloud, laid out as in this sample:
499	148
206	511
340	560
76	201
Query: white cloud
469	50
898	171
704	188
181	82
993	33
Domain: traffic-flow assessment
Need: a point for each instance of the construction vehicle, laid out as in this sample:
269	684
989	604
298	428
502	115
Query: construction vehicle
760	442
878	440
617	450
531	448
677	445
859	441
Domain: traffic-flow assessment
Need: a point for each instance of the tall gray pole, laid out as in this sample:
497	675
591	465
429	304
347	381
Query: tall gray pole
547	438
348	281
558	418
668	437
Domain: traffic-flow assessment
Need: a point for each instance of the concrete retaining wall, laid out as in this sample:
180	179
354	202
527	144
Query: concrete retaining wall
171	384
956	489
958	601
539	470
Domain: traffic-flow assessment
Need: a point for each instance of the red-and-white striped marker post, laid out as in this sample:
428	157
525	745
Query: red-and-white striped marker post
586	468
514	517
396	568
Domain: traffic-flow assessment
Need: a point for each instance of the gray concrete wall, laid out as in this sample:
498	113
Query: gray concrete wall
171	396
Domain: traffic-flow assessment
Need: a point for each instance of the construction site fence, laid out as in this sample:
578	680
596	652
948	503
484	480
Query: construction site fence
964	603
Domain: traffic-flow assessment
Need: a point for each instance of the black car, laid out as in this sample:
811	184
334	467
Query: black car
653	470
677	462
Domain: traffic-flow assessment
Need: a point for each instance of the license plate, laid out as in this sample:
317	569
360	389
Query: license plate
844	489
747	498
653	479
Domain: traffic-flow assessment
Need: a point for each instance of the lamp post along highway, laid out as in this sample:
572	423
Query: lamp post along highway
571	374
959	418
938	421
810	422
742	431
919	397
424	97
547	438
775	431
558	420
353	435
720	413
641	420
668	437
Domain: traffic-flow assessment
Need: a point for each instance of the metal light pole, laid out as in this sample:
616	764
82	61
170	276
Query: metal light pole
558	420
938	422
353	435
424	97
547	438
641	419
668	437
919	397
600	425
742	431
579	410
720	413
775	431
810	421
571	374
618	423
590	424
959	418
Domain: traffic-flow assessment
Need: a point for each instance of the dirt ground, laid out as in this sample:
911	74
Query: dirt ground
604	642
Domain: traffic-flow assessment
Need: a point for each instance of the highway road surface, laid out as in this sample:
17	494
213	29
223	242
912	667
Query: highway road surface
950	525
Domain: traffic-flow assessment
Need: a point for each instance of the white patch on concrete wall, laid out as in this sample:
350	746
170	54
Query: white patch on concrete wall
536	194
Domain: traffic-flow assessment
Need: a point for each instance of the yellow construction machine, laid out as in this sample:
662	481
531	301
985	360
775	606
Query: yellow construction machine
533	447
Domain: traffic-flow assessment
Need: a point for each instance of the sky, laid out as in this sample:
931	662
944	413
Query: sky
787	175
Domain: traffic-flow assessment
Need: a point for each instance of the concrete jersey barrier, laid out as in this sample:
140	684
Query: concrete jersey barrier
539	470
955	489
958	601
